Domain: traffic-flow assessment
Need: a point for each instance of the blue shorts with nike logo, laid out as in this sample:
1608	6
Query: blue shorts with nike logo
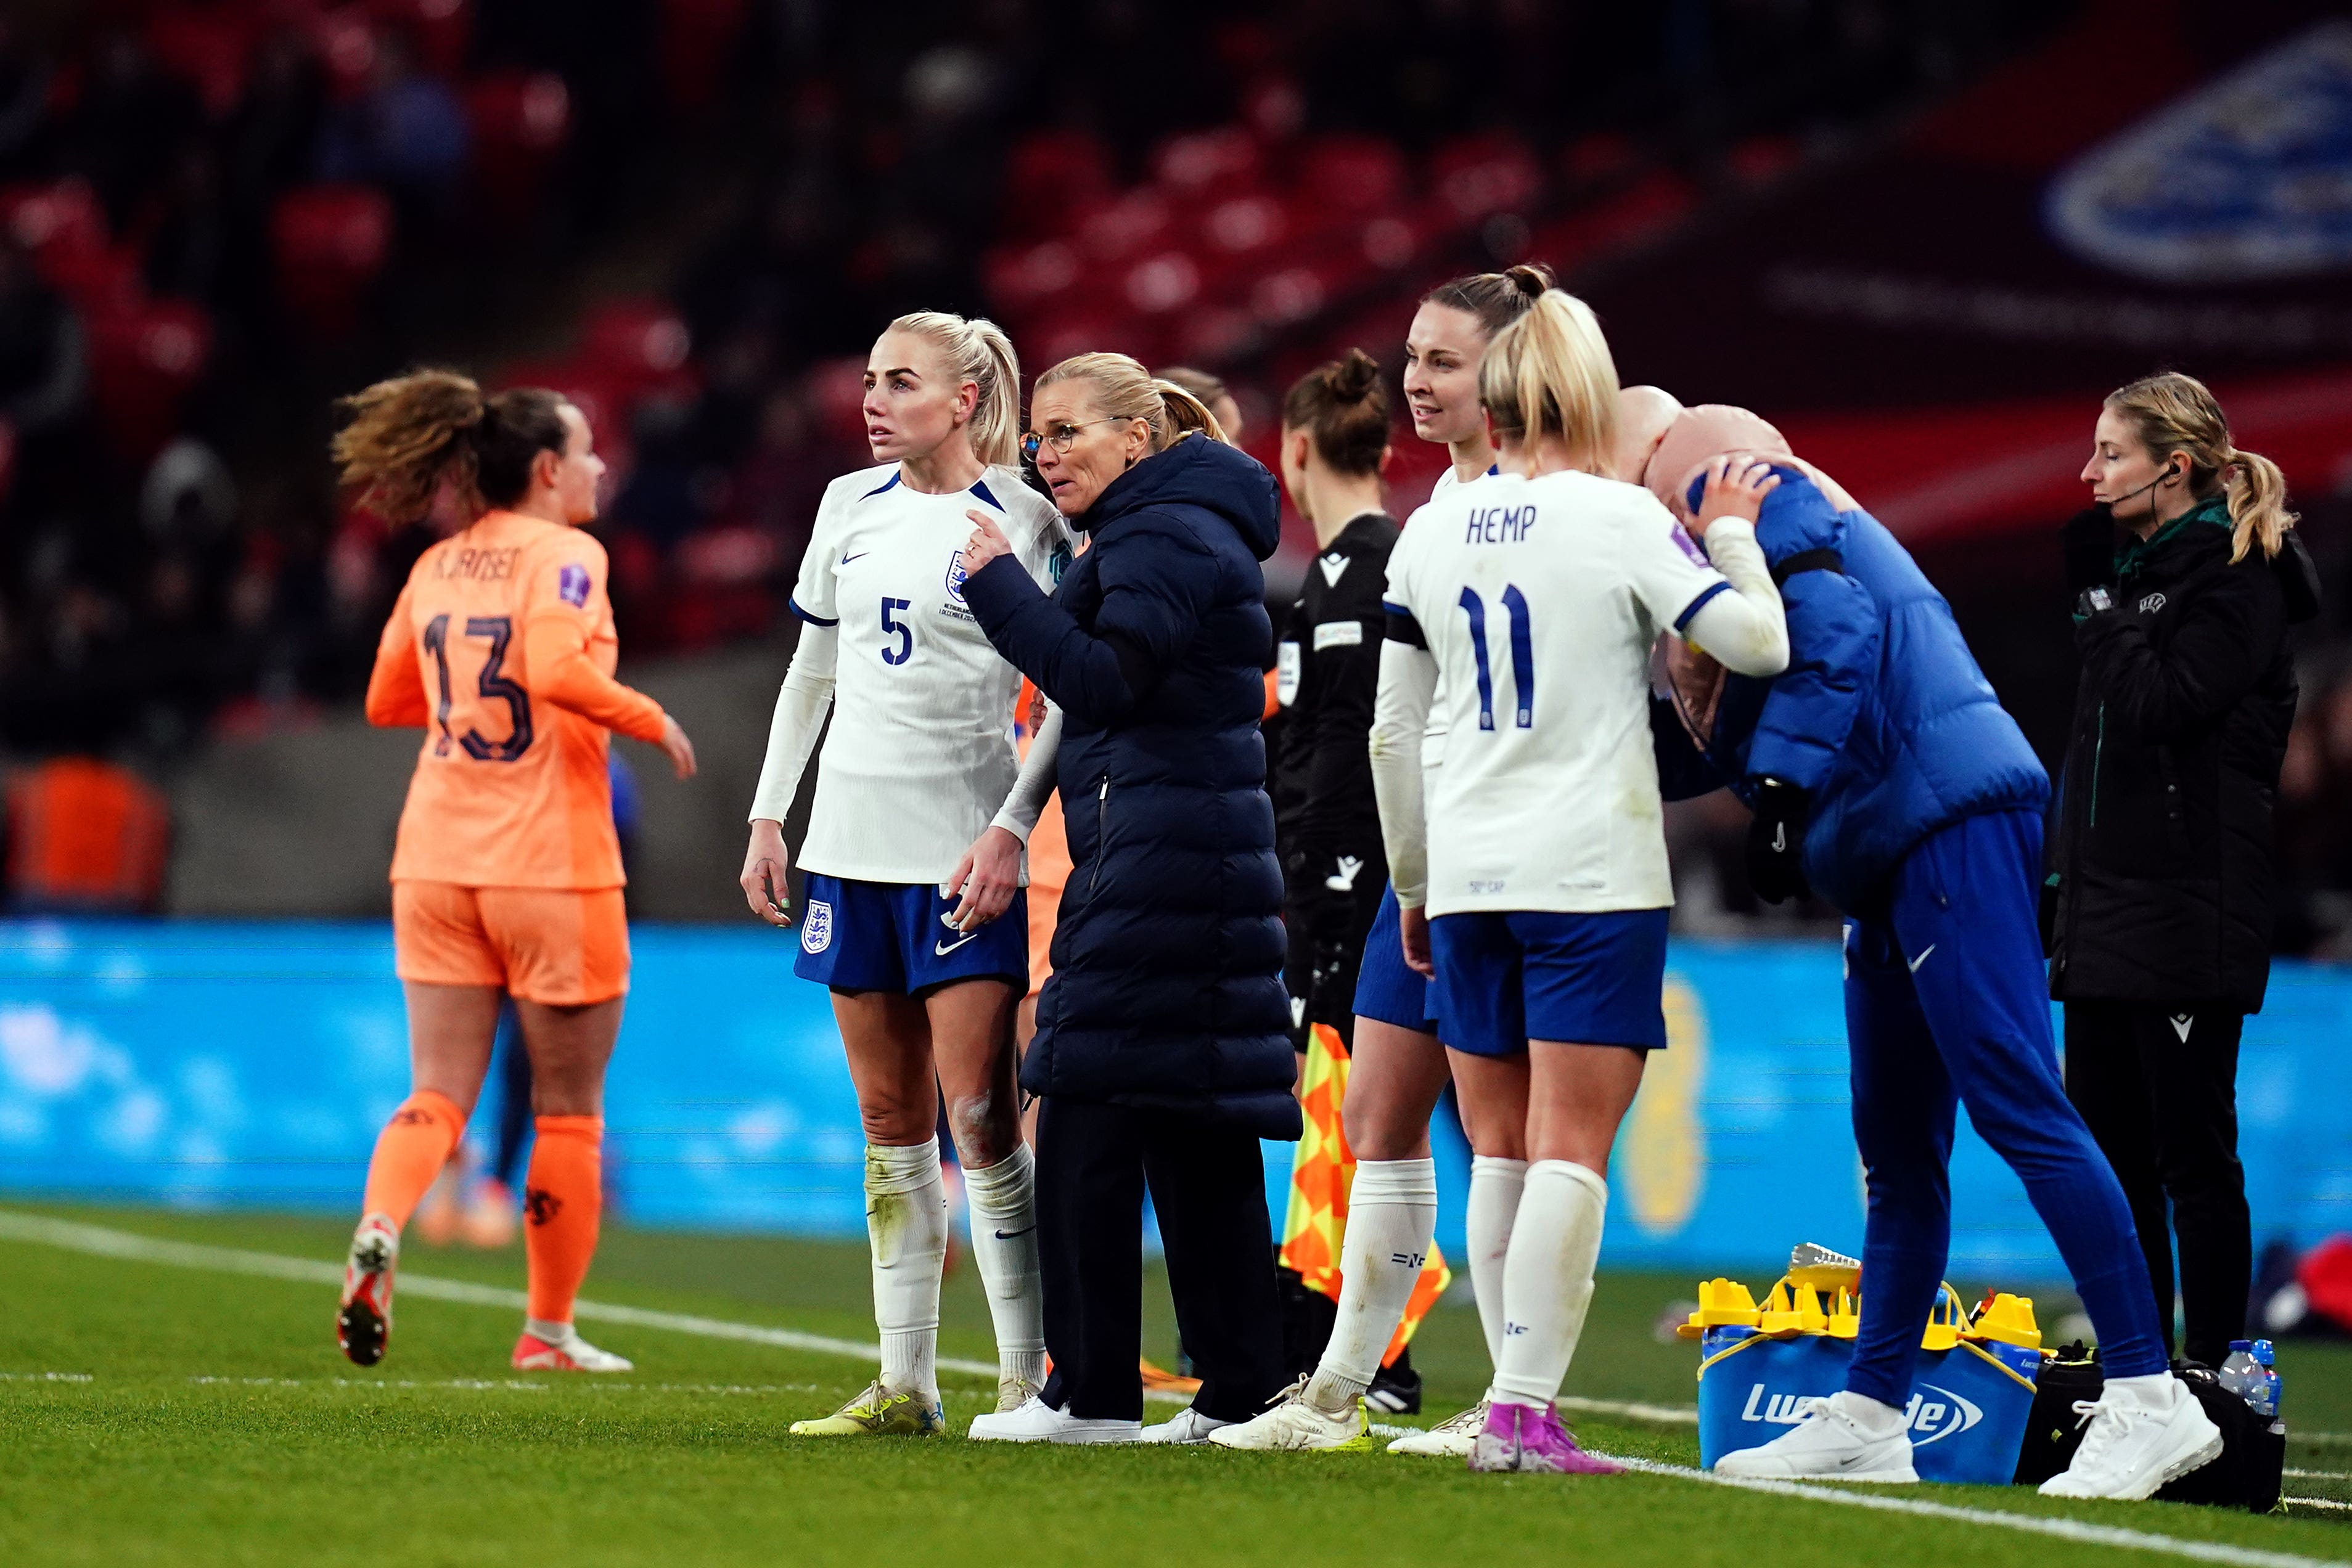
895	936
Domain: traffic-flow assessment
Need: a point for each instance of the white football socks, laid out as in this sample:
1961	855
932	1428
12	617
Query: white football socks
1495	1185
1548	1280
907	1224
1003	1200
1392	1215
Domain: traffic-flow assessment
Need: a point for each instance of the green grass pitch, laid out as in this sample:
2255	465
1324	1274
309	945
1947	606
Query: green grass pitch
205	1417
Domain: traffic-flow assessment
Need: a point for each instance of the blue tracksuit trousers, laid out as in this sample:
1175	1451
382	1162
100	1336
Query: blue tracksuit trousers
1946	1003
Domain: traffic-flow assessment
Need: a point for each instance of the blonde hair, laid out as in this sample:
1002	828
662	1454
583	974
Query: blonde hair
2172	412
1550	373
1123	388
977	350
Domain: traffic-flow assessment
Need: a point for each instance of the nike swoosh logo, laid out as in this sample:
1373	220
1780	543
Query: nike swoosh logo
1009	1235
940	952
861	555
1922	958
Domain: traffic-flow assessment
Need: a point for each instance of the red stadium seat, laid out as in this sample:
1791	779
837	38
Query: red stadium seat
440	29
1020	279
1158	283
64	229
209	46
1137	222
1477	176
1353	174
639	342
1053	179
330	242
604	399
144	362
697	36
520	121
1225	160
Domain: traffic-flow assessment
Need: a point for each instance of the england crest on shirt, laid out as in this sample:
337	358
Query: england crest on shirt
816	926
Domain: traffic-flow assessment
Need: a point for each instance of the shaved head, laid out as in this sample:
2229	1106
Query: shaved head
1697	436
1644	416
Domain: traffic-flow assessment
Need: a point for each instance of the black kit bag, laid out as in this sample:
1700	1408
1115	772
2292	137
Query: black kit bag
2246	1476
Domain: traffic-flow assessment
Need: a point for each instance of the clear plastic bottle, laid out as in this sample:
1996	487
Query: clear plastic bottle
2240	1373
2264	1395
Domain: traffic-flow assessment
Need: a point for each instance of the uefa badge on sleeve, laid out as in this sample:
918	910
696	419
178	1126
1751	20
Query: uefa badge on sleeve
816	926
572	585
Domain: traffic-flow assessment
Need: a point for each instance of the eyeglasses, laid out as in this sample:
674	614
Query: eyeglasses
1062	436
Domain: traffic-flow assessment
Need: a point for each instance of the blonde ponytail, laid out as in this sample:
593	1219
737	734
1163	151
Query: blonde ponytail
2172	412
1550	373
2258	513
977	350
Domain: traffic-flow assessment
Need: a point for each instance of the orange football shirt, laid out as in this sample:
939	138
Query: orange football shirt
502	647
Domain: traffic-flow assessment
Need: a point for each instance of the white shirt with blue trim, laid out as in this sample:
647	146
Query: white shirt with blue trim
1539	602
919	755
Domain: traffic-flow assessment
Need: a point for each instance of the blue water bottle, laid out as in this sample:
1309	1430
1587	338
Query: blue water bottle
2265	1394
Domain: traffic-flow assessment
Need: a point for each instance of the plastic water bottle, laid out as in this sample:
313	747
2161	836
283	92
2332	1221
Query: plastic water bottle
2265	1394
2240	1373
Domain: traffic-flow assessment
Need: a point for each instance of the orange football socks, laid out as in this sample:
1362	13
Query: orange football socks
409	1152
563	1201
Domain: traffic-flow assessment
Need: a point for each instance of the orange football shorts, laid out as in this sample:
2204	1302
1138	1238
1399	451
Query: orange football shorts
558	946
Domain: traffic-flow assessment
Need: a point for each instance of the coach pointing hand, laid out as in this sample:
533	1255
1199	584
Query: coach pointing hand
1163	1051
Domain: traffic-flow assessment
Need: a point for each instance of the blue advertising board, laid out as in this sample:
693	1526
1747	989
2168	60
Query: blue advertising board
199	1064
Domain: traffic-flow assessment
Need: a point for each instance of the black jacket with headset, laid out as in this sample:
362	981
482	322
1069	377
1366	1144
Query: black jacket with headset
2161	882
1327	823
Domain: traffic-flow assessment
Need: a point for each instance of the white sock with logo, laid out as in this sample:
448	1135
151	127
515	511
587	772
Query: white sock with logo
1495	1186
1392	1215
1003	1198
906	1225
1548	1280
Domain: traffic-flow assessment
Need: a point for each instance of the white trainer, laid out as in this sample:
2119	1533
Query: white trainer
1038	1422
2145	1432
1450	1439
1829	1443
1292	1424
1189	1426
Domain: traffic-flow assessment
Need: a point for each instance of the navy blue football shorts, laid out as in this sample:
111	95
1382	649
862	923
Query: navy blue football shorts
1505	977
895	936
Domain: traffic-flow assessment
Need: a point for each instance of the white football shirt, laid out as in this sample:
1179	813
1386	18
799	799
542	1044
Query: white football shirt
921	753
1433	739
1540	599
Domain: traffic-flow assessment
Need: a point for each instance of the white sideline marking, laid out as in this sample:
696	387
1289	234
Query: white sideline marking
2319	1503
2030	1523
2316	1475
100	1241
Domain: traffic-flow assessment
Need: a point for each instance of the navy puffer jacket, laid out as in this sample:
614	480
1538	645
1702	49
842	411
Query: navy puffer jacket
1167	990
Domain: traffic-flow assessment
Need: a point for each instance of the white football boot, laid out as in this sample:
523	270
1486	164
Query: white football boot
1841	1438
1451	1438
1037	1422
558	1347
1188	1427
1291	1422
2145	1432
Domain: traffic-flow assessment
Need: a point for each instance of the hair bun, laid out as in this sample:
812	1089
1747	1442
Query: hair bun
1354	375
1533	278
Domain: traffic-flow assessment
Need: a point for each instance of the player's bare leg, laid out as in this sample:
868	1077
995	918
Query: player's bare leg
450	1029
